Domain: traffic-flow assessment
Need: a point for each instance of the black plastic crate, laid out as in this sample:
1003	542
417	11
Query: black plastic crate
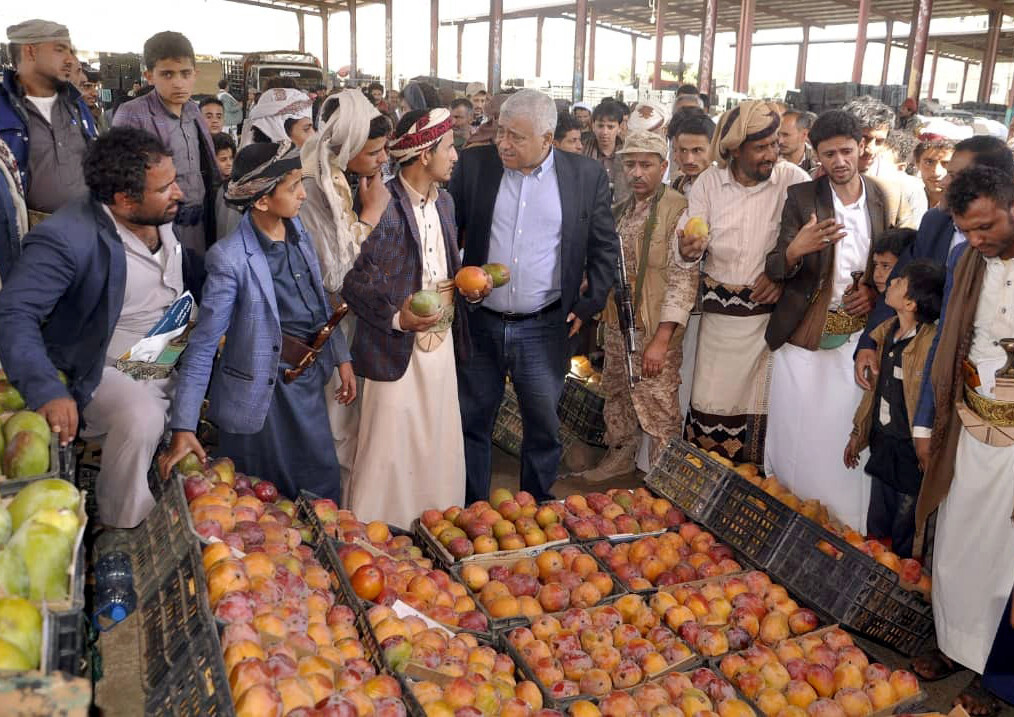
305	512
196	686
851	587
507	429
812	92
688	477
748	519
65	643
61	465
159	544
580	410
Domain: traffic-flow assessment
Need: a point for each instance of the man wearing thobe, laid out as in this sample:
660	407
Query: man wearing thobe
741	199
546	215
92	281
410	394
827	228
964	436
43	118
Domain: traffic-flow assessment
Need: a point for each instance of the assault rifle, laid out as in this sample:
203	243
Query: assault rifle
625	309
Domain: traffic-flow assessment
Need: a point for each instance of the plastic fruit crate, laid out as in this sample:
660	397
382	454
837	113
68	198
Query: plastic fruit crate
851	587
197	685
65	643
305	512
61	465
159	544
507	428
748	519
688	477
580	410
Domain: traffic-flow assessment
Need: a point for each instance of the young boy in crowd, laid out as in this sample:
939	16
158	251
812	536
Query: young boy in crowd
886	252
227	217
567	136
883	420
214	114
264	293
602	142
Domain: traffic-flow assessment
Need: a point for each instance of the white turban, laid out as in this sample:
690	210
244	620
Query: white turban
272	109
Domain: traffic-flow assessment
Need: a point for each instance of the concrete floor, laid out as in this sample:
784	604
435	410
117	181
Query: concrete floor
119	694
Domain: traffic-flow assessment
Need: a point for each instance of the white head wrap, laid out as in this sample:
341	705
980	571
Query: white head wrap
646	117
272	109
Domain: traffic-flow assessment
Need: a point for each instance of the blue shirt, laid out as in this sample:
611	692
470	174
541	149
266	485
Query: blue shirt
525	236
301	312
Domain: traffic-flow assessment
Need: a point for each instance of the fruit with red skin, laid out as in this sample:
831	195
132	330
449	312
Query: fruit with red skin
195	486
266	491
821	679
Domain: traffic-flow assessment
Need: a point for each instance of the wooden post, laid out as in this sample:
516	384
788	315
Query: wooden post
860	53
804	49
580	25
538	46
683	47
324	12
388	45
633	57
461	33
434	36
933	72
744	46
353	69
660	8
921	27
964	81
302	30
989	54
887	51
594	15
704	68
495	45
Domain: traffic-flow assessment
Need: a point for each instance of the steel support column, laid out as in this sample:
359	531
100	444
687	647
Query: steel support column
964	81
860	53
911	41
921	32
708	25
538	46
594	19
888	39
302	30
353	68
324	13
495	45
933	72
683	54
989	56
434	36
744	46
461	33
580	26
633	57
801	56
388	45
660	8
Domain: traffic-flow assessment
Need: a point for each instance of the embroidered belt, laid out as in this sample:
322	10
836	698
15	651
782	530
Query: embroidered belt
997	413
730	300
841	323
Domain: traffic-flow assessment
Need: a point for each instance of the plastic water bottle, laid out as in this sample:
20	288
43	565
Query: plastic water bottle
114	590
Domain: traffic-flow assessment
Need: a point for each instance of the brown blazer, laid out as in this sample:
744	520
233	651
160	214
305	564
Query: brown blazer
800	299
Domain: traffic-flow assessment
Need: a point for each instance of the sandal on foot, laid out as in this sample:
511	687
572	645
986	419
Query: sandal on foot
976	700
937	666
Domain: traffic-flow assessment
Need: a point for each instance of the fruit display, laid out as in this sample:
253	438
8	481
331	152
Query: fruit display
243	511
667	558
822	672
39	529
909	570
382	580
619	512
24	441
467	675
343	526
591	652
504	523
731	613
20	634
701	692
552	581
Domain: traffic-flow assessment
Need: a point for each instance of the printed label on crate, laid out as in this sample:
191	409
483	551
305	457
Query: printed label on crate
404	610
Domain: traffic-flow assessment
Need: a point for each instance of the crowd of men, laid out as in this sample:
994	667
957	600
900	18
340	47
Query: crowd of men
825	297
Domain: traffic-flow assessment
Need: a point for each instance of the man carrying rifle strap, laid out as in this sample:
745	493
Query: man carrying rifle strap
662	297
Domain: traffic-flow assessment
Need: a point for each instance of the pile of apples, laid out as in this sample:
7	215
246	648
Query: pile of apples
668	558
344	526
288	648
505	522
821	674
701	692
382	580
730	613
592	652
473	677
908	570
619	511
550	582
240	510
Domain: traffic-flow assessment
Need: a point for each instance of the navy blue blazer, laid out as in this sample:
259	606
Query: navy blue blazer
61	301
932	242
589	245
239	303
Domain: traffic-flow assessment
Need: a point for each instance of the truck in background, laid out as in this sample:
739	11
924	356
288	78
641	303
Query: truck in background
250	74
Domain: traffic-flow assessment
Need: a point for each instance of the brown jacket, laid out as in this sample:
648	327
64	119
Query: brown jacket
799	314
913	361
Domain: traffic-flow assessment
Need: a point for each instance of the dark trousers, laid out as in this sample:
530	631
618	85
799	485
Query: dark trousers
998	677
892	515
533	352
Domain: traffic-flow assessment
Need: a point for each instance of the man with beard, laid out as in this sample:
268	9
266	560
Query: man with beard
43	119
740	198
824	264
691	148
793	139
92	281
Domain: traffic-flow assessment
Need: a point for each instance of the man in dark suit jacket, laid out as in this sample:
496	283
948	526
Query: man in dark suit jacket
91	281
547	216
937	236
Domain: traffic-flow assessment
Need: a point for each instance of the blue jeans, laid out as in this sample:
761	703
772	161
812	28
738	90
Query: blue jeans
534	353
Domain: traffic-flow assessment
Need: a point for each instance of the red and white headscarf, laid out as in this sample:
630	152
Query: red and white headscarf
422	135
